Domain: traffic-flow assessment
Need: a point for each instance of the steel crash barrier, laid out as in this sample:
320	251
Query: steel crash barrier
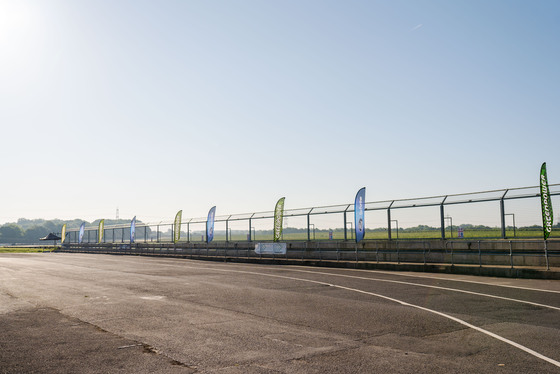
510	253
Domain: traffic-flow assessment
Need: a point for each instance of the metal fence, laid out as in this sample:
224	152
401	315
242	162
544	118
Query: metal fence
494	253
497	214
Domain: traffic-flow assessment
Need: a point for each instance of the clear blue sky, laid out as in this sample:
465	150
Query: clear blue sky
156	106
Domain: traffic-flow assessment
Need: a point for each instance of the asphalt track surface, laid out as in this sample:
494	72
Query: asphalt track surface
63	313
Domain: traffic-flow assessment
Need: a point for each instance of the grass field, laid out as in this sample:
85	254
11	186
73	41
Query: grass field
405	234
24	249
337	234
382	235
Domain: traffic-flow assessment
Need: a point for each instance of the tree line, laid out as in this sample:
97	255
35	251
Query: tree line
29	231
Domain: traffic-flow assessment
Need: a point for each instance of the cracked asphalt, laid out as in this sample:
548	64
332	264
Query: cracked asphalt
62	313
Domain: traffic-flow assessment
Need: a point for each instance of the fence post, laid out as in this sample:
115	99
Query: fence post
250	228
511	254
345	221
345	230
546	254
389	220
479	255
308	228
452	263
309	225
337	252
227	227
503	214
442	217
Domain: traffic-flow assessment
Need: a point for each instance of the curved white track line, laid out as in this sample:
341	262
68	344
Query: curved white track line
430	286
439	278
298	269
404	303
400	274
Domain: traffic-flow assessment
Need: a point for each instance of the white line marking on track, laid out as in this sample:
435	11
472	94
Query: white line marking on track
400	274
439	278
298	269
464	323
430	286
404	303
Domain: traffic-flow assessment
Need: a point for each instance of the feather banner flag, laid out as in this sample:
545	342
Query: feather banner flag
177	227
101	231
63	234
133	230
546	204
82	231
359	214
210	225
278	218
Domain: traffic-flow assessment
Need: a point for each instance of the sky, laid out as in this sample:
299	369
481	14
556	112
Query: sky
155	106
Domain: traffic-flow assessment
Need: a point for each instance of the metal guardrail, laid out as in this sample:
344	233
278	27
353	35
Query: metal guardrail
537	253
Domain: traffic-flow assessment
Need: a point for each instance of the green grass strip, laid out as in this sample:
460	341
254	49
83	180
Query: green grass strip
24	250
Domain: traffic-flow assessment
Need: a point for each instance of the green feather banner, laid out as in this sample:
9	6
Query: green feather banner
546	204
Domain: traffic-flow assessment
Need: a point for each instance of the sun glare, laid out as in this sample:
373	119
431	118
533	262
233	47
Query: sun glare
16	20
